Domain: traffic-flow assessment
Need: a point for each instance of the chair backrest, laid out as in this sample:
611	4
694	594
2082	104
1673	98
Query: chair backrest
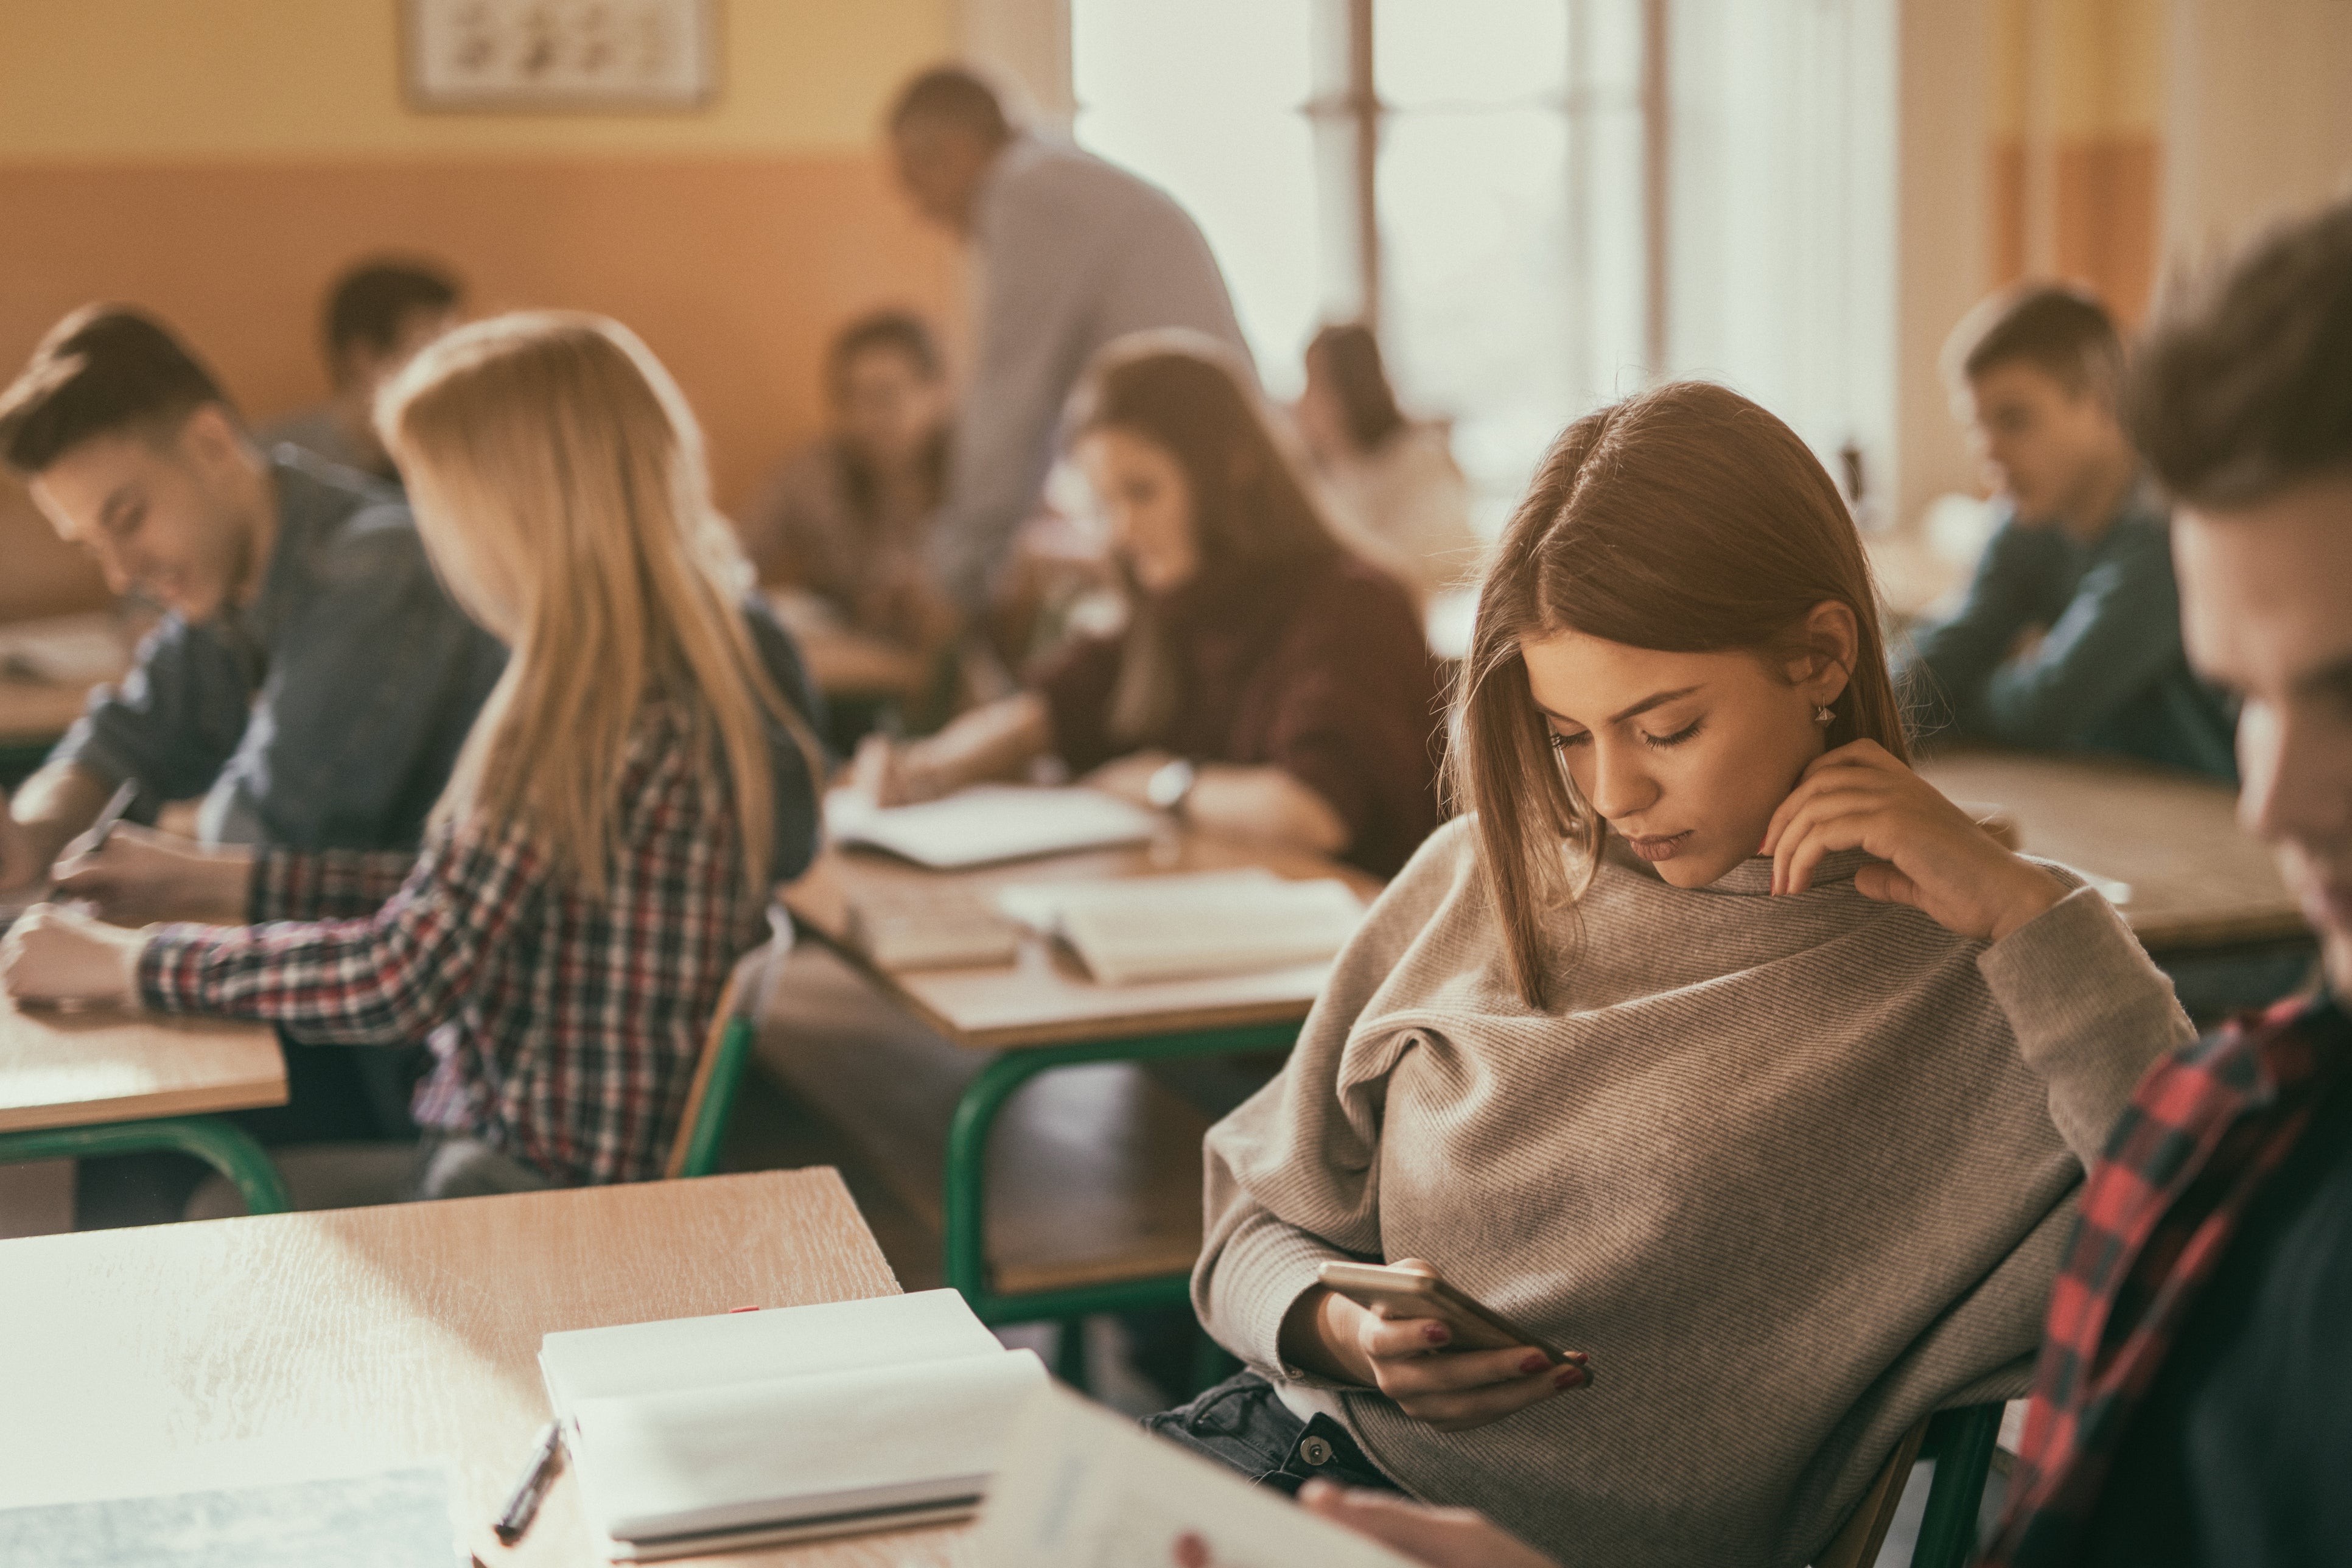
1856	1545
1961	1443
726	1052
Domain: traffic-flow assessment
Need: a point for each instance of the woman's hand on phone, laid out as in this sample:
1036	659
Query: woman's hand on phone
1939	860
1410	1360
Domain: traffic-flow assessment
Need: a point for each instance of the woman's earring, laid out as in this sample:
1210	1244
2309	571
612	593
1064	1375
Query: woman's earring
1821	714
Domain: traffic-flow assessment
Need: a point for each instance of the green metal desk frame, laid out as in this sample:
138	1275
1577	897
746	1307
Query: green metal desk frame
966	1203
224	1146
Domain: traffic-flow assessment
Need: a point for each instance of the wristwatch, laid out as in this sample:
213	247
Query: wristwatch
1171	785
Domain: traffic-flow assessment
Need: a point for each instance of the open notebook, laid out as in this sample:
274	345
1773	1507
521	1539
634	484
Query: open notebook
703	1435
988	824
1133	929
1082	1488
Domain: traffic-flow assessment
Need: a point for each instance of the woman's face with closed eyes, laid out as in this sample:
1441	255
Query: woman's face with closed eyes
1685	755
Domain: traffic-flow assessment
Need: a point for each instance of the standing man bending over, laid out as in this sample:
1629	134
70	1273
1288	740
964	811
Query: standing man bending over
1072	252
2070	638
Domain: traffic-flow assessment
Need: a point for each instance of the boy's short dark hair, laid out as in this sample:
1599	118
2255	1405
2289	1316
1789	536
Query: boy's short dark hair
371	303
2243	387
103	369
956	96
901	332
2064	333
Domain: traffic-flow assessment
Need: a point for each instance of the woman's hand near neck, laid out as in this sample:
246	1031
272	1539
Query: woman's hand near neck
1938	859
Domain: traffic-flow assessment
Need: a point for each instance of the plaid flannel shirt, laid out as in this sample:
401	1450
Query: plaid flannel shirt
565	1030
2205	1129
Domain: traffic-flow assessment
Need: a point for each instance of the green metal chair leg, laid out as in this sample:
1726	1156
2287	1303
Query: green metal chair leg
224	1146
1070	1352
1961	1442
965	1200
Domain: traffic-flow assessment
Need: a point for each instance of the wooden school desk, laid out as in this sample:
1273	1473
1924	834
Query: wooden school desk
47	670
243	1353
2191	880
1042	1012
113	1080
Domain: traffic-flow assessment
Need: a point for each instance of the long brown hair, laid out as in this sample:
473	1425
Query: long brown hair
1686	520
1187	395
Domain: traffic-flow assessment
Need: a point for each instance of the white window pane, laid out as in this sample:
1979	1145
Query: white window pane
1489	52
1204	99
1474	213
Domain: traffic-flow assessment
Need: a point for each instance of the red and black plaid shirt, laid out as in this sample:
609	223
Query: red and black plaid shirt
2207	1127
565	1030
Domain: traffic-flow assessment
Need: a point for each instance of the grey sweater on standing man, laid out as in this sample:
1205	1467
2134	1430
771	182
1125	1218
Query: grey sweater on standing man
1795	1171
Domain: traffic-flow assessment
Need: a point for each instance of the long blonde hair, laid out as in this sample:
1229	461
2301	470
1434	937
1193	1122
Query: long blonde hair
562	495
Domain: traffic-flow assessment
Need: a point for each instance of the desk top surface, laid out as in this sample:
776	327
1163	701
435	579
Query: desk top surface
2196	878
250	1352
73	1067
47	668
1044	996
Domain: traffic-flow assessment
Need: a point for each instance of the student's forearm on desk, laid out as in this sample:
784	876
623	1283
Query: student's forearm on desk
54	804
1268	805
998	741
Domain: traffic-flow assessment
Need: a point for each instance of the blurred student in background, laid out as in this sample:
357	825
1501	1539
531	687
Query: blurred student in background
1074	252
377	316
2070	636
642	777
1269	683
1391	482
310	679
847	517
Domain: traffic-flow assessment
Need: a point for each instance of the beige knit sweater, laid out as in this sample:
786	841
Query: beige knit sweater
1796	1172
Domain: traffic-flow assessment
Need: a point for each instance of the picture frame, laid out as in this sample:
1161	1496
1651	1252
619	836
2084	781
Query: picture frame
564	56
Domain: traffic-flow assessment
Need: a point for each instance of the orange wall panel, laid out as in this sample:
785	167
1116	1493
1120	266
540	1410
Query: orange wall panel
734	270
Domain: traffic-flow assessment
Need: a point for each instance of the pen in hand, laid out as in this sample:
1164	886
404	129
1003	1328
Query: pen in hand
546	1460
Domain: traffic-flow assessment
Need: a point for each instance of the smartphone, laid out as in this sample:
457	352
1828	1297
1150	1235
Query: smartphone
1406	1293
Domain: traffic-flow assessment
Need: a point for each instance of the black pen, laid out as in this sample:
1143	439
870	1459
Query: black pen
546	1460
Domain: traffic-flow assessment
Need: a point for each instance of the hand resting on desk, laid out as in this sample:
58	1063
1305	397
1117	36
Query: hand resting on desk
55	955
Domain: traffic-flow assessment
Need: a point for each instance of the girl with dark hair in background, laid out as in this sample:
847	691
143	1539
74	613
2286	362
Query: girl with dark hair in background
1715	1044
1269	684
1391	482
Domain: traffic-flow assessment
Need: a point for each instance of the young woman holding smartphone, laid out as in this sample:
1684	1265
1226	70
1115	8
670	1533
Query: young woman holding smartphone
1714	1044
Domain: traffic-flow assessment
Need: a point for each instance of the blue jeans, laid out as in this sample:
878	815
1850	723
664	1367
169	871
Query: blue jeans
1244	1425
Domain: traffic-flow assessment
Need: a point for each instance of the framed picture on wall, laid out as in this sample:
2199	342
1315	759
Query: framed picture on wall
559	54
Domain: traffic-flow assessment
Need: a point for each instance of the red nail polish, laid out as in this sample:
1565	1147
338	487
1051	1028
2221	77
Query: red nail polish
1568	1377
1434	1334
1533	1362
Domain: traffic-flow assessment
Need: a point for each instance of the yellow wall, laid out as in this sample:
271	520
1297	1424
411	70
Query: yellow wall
321	78
2083	84
219	161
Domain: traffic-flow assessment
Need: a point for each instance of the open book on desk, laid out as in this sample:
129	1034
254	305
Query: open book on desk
1082	1488
703	1435
989	824
1127	930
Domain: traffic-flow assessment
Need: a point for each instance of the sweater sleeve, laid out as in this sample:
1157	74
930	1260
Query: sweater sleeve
1292	1176
2091	1012
384	980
